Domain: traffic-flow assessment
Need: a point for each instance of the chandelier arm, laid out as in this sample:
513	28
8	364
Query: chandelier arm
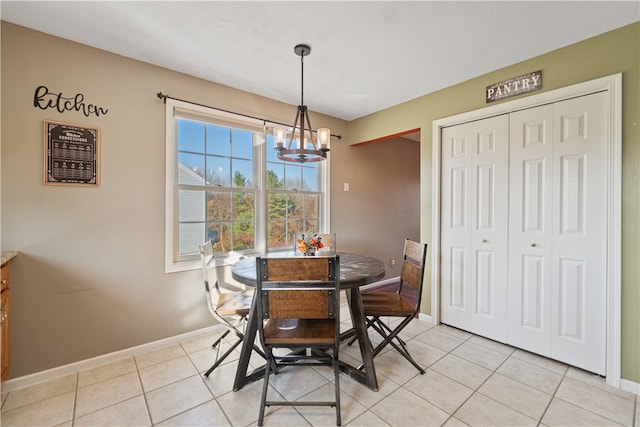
306	115
302	111
293	131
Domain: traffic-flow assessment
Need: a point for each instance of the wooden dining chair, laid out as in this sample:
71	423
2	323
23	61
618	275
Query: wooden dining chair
299	310
228	308
379	304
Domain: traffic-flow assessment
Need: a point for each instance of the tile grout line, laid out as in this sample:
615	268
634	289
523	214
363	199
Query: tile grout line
553	395
204	381
452	379
495	372
583	408
477	390
144	393
75	399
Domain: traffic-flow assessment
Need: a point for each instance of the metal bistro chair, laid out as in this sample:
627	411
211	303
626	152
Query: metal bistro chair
379	304
229	308
307	291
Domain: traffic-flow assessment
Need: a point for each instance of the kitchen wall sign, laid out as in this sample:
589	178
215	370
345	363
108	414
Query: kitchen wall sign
44	99
71	154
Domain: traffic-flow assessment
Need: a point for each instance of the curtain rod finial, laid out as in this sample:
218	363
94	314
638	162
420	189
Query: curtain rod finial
162	96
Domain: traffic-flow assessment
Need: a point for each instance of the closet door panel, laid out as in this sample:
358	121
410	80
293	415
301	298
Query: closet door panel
530	231
532	289
456	226
489	241
474	231
580	232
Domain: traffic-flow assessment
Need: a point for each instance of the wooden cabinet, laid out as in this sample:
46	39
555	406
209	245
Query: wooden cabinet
4	320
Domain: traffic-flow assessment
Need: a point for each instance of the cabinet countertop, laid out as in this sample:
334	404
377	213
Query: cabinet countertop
6	256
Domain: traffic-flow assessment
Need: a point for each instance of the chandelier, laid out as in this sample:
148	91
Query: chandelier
301	146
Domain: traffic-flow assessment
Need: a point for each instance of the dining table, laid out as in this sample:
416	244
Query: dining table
356	270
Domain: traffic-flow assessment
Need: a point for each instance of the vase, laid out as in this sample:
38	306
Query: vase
310	252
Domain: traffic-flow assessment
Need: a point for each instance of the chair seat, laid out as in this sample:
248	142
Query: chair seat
386	304
234	303
306	332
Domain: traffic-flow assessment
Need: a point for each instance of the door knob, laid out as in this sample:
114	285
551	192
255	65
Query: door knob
532	245
484	240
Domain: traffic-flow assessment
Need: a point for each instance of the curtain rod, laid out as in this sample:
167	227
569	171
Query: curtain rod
164	97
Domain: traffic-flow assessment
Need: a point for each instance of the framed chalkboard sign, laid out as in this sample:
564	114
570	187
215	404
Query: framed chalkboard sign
71	154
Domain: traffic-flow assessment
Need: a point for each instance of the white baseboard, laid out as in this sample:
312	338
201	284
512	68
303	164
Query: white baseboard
630	386
60	371
425	317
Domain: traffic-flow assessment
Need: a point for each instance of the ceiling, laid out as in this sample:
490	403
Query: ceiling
366	55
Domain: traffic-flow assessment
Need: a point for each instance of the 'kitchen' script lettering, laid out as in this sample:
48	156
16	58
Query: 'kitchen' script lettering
44	99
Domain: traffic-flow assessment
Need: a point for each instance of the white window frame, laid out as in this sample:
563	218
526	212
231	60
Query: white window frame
174	107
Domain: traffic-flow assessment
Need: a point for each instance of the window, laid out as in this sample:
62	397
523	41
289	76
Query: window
216	197
225	183
294	199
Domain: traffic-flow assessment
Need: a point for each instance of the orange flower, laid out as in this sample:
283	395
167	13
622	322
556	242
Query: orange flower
309	242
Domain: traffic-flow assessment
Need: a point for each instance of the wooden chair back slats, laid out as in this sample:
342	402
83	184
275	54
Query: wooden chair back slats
411	275
296	304
414	251
292	269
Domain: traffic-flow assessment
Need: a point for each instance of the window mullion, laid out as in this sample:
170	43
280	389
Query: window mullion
262	204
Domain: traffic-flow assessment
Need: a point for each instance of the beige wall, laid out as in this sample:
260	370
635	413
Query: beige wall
89	278
613	52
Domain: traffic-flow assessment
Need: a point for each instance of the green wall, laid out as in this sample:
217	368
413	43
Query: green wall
610	53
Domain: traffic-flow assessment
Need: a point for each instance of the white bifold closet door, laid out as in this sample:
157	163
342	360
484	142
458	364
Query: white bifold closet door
558	231
523	229
475	226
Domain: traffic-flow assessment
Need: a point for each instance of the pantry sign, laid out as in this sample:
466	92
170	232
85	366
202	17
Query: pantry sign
515	86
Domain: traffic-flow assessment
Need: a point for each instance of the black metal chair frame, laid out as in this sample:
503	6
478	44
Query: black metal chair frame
306	349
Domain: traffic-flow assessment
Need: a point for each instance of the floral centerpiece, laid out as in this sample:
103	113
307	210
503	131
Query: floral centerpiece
309	244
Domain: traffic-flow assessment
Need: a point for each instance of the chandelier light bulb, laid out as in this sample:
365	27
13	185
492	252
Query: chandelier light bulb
324	138
279	135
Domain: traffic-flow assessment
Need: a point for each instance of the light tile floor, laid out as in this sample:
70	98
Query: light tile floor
470	380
